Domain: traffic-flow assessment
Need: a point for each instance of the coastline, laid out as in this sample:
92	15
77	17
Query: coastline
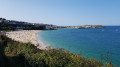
26	36
39	41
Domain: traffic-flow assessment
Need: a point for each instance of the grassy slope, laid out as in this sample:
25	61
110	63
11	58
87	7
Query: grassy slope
16	54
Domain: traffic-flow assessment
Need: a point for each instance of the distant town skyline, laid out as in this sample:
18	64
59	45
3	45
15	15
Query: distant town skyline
62	12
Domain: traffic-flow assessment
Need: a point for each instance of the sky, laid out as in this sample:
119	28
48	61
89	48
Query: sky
62	12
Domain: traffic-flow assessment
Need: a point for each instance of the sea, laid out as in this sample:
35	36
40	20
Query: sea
102	44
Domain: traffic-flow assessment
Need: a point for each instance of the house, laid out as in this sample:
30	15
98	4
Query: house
47	27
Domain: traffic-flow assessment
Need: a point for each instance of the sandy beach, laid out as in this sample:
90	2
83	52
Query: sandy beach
26	36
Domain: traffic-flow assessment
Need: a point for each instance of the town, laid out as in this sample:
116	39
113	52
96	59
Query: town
20	25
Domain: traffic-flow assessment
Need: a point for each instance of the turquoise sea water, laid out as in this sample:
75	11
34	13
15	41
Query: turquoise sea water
90	43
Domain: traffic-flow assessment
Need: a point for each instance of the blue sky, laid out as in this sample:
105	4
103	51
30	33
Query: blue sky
62	12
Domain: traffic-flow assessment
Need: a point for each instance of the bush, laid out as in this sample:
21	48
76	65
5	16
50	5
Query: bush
16	54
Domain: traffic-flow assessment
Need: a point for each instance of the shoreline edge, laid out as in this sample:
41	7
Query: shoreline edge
26	36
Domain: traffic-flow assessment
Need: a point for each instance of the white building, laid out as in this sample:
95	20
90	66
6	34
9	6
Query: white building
48	27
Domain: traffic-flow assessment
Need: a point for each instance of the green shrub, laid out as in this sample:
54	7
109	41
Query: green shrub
16	54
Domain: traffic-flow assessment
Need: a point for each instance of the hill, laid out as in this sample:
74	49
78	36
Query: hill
16	54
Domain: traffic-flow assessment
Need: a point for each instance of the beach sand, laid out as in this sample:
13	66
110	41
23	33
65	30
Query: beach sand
26	36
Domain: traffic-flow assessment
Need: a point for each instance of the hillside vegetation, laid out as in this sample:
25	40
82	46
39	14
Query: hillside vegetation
16	54
9	27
